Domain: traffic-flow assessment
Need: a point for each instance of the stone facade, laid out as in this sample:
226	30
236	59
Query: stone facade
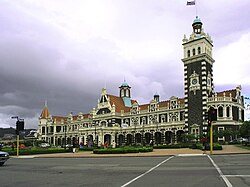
123	120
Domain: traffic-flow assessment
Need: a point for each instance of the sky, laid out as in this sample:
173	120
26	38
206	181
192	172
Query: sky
64	52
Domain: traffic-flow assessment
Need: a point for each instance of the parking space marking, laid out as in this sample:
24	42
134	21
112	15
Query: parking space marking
147	171
220	172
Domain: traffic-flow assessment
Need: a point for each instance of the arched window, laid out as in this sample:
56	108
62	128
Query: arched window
163	118
220	111
228	111
199	50
103	123
188	53
193	52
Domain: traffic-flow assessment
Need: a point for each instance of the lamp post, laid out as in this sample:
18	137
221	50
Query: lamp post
143	141
135	133
95	142
65	130
156	133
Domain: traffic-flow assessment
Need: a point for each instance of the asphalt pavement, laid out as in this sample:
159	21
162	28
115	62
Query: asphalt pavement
187	170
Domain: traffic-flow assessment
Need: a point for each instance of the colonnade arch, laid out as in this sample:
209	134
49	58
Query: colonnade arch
145	138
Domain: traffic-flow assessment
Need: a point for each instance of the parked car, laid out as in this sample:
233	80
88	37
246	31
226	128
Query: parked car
240	140
45	145
67	146
4	156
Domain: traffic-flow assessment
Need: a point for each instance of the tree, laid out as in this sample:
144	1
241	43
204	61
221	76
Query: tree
245	129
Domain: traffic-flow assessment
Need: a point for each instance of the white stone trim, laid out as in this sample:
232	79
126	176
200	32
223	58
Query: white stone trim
203	63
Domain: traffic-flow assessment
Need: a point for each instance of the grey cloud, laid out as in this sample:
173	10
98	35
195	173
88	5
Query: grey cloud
42	59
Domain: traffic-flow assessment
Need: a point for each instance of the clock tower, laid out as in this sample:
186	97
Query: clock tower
198	77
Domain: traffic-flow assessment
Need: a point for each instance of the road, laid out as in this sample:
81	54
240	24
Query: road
168	171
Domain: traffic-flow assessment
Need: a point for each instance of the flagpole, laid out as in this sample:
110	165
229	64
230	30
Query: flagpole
196	11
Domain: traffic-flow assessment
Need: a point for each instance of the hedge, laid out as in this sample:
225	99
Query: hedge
172	146
31	151
123	150
216	146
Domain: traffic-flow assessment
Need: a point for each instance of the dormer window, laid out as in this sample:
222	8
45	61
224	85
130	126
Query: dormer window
173	104
134	110
152	108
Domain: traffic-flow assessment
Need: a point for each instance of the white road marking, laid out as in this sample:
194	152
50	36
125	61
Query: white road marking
191	155
237	175
147	171
220	172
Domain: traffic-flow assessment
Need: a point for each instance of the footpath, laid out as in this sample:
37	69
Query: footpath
227	149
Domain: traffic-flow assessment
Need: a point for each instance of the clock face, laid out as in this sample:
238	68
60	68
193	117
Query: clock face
194	81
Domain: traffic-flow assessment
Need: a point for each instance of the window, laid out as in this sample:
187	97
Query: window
152	108
173	104
228	111
220	110
43	130
103	124
193	52
199	50
163	119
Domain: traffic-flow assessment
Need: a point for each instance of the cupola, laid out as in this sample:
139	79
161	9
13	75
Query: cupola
125	90
197	25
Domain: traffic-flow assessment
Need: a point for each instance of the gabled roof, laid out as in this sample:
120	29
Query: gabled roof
144	107
227	93
58	119
119	104
163	104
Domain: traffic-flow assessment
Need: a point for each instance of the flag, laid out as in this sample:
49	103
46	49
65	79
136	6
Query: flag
190	2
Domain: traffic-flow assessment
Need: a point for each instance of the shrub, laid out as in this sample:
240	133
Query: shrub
217	146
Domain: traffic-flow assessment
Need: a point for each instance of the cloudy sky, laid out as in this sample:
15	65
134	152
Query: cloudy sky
65	51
